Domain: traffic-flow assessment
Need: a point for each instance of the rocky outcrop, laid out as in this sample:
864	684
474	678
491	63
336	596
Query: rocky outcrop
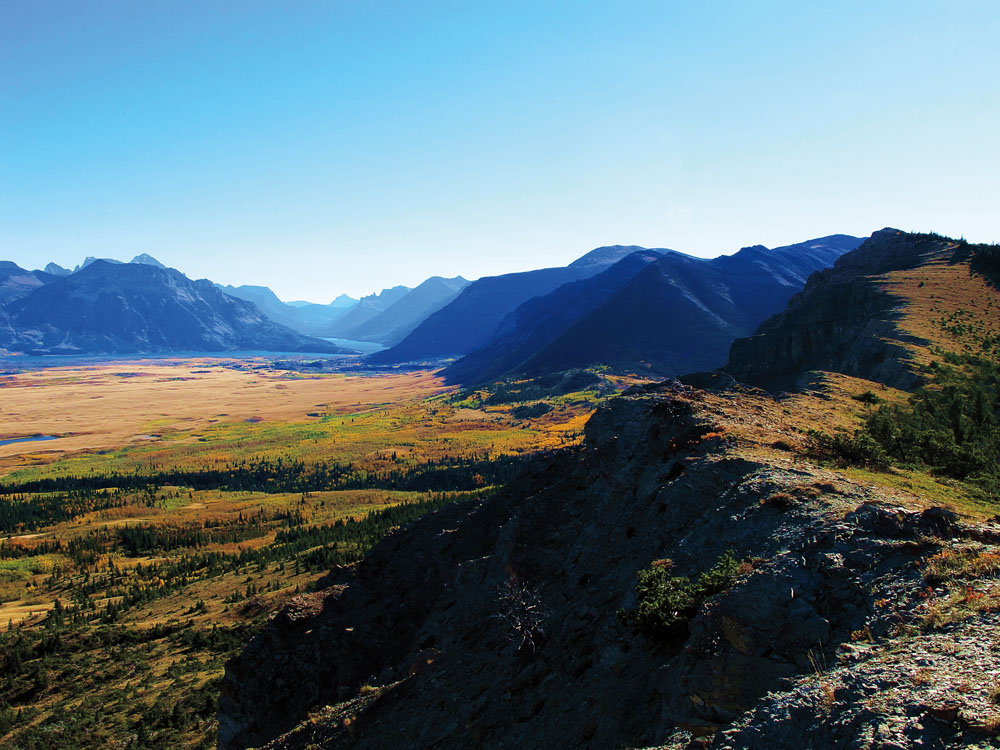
842	321
410	648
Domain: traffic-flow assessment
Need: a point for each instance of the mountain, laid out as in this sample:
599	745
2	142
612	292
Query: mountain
91	259
306	318
344	301
268	303
56	270
17	282
368	308
472	318
393	324
846	319
147	259
606	256
709	568
539	321
132	307
681	314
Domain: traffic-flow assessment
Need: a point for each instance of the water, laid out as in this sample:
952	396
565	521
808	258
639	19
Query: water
15	363
365	347
31	439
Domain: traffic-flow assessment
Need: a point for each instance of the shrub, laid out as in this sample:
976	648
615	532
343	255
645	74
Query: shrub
522	614
667	603
859	449
868	397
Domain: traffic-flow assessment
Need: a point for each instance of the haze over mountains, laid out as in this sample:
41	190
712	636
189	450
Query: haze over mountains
622	305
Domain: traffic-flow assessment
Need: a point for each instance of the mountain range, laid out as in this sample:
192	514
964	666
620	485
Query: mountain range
471	319
309	318
668	313
399	318
624	306
112	308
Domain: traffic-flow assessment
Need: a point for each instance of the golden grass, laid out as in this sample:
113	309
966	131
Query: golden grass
109	406
960	603
941	294
372	422
953	564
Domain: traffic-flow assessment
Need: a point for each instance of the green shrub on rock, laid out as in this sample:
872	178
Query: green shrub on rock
667	603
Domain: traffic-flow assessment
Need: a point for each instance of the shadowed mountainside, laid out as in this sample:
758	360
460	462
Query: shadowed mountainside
473	316
536	323
677	315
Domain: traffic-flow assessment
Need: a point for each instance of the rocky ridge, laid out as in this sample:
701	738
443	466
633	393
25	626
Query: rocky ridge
408	649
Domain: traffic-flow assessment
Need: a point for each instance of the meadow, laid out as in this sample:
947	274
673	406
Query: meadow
183	501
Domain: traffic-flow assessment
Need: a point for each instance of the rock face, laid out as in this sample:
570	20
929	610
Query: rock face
410	649
842	321
134	307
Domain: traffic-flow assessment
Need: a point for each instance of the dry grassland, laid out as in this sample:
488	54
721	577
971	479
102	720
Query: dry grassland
109	406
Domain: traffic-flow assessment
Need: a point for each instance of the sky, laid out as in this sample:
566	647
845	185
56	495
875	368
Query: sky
328	147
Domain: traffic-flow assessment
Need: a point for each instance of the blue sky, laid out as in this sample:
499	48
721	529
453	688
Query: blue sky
328	147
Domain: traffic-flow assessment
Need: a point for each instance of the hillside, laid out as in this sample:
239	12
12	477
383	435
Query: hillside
472	318
138	307
16	282
711	568
873	314
682	313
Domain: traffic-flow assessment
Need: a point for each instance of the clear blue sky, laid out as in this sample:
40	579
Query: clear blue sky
328	147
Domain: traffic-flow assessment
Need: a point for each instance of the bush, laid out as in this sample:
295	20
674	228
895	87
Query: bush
859	449
667	603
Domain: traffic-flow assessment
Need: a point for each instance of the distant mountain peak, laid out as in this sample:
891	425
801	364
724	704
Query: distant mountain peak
90	259
344	300
56	270
147	260
608	255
